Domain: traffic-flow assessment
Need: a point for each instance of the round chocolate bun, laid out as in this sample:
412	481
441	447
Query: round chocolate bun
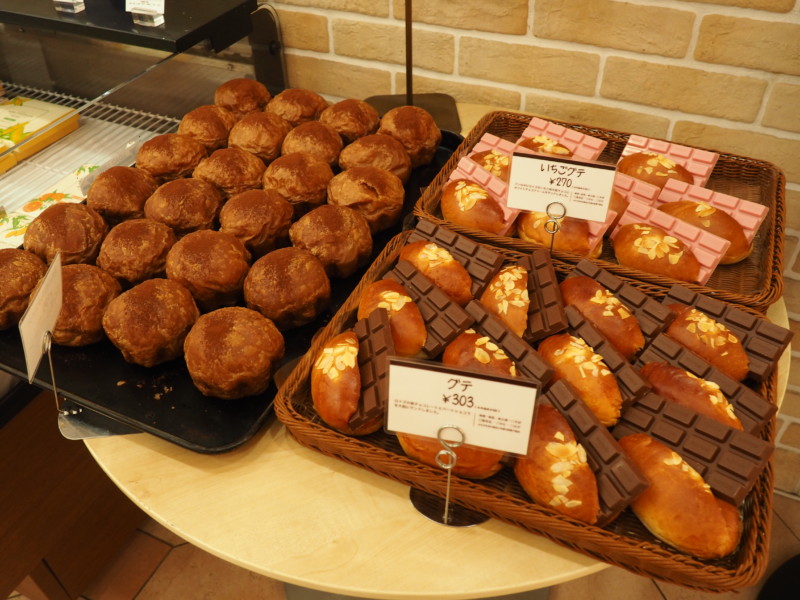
185	205
212	265
375	193
289	286
314	137
209	124
21	271
338	236
376	150
260	133
259	218
119	193
74	230
170	156
242	95
416	129
301	178
297	105
232	352
352	118
149	322
231	170
136	250
86	291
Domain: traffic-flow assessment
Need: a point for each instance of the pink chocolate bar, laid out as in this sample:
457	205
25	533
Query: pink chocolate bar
698	162
707	247
635	189
750	215
498	189
583	146
492	142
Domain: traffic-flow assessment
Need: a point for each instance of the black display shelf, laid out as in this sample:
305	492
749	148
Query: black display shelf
186	22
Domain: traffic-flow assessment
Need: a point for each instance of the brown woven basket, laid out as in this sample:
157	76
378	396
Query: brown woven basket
755	282
624	543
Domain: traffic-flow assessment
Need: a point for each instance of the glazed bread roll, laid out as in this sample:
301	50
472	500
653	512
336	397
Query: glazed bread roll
119	193
297	105
74	230
572	234
603	310
136	250
209	124
578	364
289	286
506	297
170	156
544	145
301	178
684	388
714	221
185	205
405	320
710	340
497	163
242	95
652	250
336	385
473	350
261	134
469	204
314	137
351	118
149	322
679	507
21	270
231	171
259	218
376	150
653	168
555	472
377	194
415	128
438	265
232	352
86	291
338	236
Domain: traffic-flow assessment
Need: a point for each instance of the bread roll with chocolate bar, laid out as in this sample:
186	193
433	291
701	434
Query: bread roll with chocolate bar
653	168
603	310
476	351
579	365
685	388
405	320
438	265
21	271
73	230
506	297
470	205
572	234
709	339
297	105
651	249
242	95
555	472
416	129
679	507
352	118
714	221
336	385
497	163
209	124
543	144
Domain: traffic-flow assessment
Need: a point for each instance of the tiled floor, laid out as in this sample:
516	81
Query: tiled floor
157	565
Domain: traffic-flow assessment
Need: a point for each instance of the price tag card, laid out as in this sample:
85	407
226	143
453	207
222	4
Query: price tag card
41	315
492	412
152	6
584	189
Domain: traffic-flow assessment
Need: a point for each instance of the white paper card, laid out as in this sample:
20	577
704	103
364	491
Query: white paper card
492	413
151	6
583	188
41	316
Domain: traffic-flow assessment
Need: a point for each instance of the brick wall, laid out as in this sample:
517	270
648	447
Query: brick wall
721	74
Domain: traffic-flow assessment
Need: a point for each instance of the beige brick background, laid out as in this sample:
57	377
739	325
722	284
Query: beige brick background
721	74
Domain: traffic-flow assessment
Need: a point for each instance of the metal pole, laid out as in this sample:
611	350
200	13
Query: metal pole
409	56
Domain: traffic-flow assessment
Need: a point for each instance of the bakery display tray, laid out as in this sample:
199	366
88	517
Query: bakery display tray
624	542
162	400
756	282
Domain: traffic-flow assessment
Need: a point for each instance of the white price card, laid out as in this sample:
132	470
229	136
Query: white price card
492	412
41	315
584	189
152	6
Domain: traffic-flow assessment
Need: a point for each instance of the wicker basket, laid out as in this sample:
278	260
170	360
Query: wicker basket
624	542
755	282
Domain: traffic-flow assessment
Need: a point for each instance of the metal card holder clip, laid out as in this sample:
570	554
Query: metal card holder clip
553	223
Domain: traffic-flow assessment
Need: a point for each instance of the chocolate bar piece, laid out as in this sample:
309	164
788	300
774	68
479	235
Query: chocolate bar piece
546	312
729	460
527	362
752	409
763	341
619	480
653	316
444	319
631	384
480	261
375	346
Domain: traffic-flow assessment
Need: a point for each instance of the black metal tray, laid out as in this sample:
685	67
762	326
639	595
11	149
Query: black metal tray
162	400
